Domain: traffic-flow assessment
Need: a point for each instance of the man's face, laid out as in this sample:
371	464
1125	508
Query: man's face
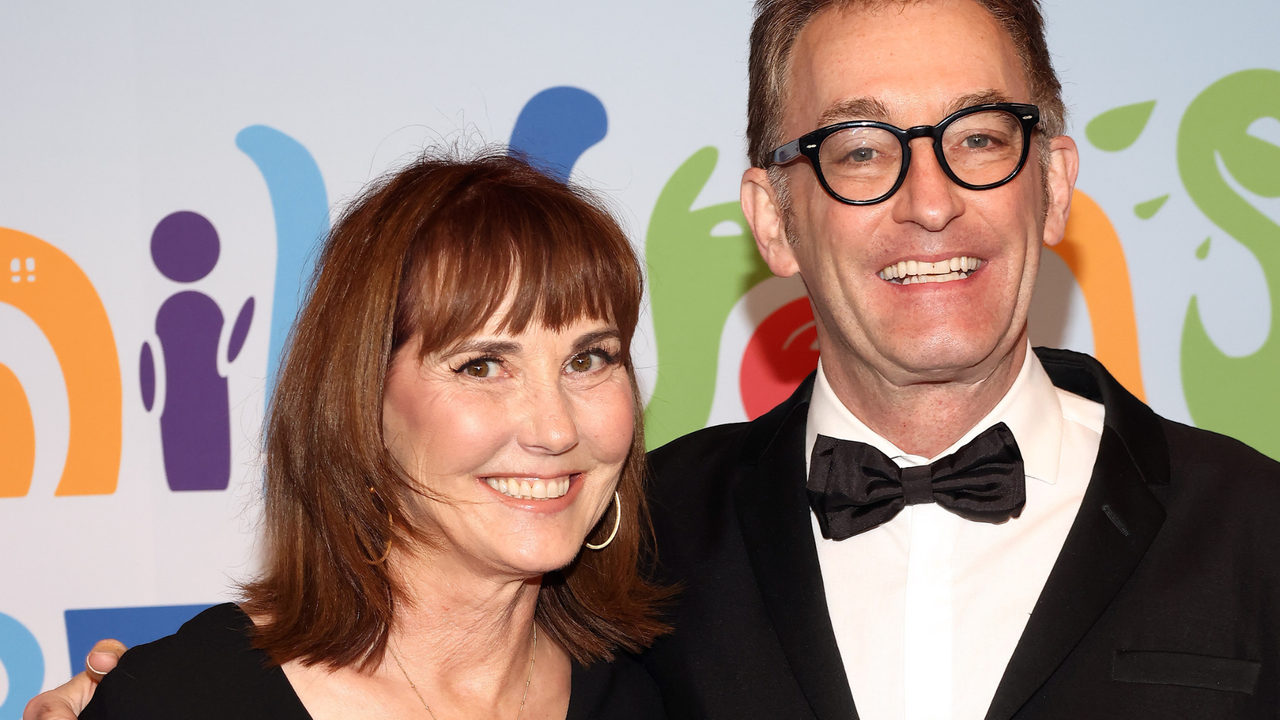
912	65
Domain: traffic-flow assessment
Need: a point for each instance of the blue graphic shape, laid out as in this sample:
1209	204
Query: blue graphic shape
23	663
301	208
556	126
130	625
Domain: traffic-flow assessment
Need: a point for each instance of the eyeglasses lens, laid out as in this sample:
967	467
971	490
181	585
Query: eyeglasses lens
984	147
863	163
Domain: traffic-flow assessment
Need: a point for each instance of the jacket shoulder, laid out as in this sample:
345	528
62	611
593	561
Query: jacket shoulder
691	474
1232	467
708	447
209	668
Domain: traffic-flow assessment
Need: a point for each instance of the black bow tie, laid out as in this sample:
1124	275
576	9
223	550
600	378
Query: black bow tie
854	487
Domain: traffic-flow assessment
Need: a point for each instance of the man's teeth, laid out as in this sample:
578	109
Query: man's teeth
910	272
530	488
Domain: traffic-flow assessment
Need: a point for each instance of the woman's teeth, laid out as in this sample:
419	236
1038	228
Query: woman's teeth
910	272
530	488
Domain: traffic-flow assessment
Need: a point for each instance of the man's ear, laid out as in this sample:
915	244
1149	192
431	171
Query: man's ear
1060	180
764	215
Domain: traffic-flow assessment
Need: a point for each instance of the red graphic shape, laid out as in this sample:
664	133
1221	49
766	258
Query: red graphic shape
781	353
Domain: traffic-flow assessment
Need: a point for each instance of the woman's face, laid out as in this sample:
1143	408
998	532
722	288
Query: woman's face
521	437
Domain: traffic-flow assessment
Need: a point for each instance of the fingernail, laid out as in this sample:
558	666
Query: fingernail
89	663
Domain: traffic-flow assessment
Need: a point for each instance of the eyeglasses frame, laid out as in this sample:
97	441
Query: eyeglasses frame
809	145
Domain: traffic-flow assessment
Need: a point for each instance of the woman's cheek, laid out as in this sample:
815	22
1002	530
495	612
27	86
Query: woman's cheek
454	434
611	413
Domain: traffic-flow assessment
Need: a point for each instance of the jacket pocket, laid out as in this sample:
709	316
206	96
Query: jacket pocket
1174	668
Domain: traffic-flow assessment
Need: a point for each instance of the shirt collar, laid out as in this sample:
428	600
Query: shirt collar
1031	410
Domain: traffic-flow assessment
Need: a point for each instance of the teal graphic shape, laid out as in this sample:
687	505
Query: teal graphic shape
695	278
23	663
301	208
1118	128
1237	396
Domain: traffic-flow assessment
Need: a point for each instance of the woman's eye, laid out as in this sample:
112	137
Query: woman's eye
583	362
484	367
589	360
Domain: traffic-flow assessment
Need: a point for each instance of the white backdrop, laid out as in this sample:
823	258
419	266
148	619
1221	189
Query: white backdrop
117	114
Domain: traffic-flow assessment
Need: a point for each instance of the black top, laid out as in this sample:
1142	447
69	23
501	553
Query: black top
210	670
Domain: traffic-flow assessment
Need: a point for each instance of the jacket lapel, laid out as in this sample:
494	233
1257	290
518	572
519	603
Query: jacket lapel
1118	519
774	514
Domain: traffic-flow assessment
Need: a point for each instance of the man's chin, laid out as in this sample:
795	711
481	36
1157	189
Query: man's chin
951	361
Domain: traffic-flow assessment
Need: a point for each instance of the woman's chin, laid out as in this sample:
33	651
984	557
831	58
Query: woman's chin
540	554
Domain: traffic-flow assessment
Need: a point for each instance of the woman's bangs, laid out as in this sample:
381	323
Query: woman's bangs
548	260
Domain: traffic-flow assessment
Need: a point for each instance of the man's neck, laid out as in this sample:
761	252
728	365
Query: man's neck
922	418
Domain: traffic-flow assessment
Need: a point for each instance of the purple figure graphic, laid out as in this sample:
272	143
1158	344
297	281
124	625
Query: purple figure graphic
195	425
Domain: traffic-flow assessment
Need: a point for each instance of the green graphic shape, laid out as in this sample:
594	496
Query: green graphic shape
1147	210
694	280
1118	128
1202	252
1236	396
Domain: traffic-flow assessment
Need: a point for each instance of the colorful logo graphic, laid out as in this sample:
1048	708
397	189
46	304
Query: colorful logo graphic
1234	395
23	663
780	355
17	437
696	274
195	425
1217	153
54	292
556	126
301	209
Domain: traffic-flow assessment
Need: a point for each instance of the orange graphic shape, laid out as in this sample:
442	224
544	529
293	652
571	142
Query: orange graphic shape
55	293
1092	250
17	437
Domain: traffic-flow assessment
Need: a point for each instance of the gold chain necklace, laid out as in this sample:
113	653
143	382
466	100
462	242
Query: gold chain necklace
533	657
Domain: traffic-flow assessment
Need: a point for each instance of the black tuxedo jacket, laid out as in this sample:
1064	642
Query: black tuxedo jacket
1164	602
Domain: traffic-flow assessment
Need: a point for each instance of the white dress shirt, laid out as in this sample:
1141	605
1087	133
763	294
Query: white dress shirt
928	608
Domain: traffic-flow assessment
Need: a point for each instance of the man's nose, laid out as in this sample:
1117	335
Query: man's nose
549	425
927	197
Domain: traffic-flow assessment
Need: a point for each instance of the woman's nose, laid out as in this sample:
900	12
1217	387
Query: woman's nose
549	426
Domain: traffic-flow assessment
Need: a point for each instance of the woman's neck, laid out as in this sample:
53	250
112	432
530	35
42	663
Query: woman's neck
464	628
463	646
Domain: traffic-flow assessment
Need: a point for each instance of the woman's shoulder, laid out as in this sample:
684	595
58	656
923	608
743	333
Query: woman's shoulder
208	669
617	690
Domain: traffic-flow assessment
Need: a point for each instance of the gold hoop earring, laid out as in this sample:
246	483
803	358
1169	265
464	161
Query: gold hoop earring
391	523
617	521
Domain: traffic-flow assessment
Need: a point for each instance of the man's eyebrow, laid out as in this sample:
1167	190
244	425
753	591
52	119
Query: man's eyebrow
982	97
863	108
867	108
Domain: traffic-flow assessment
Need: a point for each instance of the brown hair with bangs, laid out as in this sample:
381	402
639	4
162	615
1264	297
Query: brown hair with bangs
778	23
432	252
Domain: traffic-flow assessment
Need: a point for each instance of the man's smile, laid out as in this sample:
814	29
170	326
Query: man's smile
910	272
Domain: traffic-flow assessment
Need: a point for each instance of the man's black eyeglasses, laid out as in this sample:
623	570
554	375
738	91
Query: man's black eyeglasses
864	162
